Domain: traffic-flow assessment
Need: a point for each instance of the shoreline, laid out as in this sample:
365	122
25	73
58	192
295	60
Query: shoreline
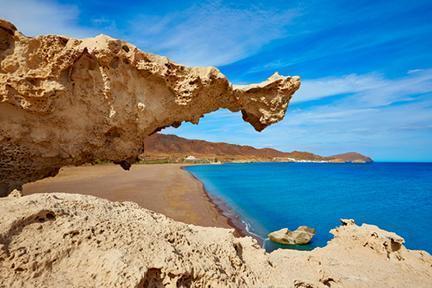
164	188
234	219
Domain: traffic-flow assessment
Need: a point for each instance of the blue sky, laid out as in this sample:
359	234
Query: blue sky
366	66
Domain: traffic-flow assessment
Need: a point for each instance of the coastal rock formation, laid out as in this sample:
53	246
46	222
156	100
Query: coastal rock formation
61	240
302	235
67	101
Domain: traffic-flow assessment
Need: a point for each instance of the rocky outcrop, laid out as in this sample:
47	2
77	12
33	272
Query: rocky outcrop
67	101
301	236
64	240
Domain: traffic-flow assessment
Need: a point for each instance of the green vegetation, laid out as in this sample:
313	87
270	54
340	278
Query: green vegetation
155	161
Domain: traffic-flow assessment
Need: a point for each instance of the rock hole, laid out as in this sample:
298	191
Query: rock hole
239	250
125	48
328	281
6	39
63	40
185	281
114	132
114	62
50	216
395	246
152	279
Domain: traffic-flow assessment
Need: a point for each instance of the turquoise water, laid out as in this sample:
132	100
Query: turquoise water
269	196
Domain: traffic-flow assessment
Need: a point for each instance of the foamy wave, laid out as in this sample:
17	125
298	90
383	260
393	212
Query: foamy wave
264	243
249	230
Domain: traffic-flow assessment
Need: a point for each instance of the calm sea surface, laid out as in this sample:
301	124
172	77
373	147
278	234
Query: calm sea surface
270	196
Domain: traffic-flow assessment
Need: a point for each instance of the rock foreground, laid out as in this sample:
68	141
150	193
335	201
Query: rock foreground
64	240
66	101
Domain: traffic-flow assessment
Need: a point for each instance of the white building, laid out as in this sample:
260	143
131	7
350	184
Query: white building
190	158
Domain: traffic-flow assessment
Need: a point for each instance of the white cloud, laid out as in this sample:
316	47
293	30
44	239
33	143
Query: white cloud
368	89
325	87
207	33
210	33
36	17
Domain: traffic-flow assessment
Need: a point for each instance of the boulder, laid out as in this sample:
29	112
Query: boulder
302	235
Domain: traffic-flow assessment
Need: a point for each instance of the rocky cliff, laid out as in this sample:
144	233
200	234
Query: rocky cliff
69	240
67	101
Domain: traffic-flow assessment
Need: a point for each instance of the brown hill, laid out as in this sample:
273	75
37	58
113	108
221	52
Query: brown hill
352	157
174	149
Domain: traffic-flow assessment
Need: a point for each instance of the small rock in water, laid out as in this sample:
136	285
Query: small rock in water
302	235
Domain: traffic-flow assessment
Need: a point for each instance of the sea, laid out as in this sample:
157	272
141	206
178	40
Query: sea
269	196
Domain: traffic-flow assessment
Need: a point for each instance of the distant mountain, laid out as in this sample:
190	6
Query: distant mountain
352	157
175	149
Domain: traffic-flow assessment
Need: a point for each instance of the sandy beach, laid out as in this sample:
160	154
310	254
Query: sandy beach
164	188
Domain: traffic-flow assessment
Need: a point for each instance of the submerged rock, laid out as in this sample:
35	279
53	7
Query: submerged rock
302	235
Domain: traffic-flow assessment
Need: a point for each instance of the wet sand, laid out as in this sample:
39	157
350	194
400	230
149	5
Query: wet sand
164	188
